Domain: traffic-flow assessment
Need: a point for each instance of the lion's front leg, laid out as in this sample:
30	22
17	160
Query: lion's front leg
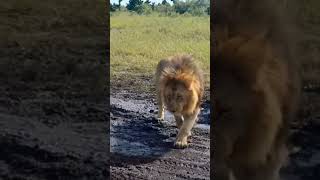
254	147
185	130
179	120
160	116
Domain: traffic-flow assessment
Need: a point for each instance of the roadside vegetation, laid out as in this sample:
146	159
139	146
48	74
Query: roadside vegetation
143	33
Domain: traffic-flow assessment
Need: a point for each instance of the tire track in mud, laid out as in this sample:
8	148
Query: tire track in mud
142	148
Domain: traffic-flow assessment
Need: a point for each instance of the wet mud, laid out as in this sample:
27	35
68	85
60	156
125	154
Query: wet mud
304	159
142	148
53	105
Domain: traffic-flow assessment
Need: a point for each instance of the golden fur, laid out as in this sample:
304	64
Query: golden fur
179	85
256	91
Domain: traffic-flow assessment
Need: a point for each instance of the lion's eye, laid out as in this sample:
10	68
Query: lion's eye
179	97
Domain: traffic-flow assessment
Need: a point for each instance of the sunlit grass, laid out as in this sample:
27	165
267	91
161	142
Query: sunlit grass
139	42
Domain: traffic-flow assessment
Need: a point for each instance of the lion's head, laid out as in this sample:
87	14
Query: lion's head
181	88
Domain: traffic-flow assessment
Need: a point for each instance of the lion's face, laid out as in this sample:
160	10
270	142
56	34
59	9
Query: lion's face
233	95
176	96
231	99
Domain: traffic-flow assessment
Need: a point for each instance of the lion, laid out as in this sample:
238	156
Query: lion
179	88
256	90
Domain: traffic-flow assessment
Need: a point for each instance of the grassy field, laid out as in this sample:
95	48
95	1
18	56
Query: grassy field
137	43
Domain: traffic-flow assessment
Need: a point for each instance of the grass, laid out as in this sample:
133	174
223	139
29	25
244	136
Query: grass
137	43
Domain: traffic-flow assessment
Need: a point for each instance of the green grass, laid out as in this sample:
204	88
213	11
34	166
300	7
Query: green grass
137	43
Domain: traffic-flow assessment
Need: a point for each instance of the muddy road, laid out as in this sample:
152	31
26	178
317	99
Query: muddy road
53	102
304	162
52	126
61	147
142	148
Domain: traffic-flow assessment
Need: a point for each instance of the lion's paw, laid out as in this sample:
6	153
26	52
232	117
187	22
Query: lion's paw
181	144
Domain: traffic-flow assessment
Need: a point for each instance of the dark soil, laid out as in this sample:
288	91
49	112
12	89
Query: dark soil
142	148
305	156
52	125
53	84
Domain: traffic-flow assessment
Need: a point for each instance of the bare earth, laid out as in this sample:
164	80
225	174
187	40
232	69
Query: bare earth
142	148
53	108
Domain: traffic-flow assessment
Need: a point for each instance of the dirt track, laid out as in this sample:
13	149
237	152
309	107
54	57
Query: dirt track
52	126
304	161
53	105
142	148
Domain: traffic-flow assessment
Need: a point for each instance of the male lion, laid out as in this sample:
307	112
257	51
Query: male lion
256	90
179	85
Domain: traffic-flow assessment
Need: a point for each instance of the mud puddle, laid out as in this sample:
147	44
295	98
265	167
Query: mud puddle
304	161
142	148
